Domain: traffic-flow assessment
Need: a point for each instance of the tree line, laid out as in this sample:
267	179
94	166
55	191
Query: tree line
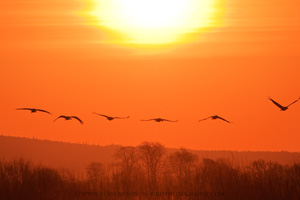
149	172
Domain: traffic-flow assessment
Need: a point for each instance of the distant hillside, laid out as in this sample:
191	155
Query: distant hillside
77	156
55	154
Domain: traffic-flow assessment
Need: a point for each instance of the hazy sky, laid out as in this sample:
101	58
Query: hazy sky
55	58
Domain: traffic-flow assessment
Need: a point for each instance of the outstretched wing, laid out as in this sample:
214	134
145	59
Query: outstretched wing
223	119
293	102
121	117
24	109
43	111
75	117
277	104
169	120
101	115
204	119
154	119
62	116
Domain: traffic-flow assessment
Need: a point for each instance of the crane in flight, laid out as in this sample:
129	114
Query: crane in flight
34	110
159	120
283	108
214	117
69	118
111	118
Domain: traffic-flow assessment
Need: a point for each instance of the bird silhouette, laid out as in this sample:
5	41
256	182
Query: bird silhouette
110	118
283	108
34	110
69	118
213	117
159	120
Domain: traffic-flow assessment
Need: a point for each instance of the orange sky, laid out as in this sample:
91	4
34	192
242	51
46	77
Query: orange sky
52	58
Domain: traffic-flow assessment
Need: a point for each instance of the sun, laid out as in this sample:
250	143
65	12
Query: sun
153	21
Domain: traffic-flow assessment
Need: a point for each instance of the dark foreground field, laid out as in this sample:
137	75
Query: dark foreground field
147	172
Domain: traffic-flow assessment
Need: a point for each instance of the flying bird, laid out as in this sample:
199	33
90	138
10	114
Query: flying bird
34	110
283	108
69	118
213	117
109	117
159	120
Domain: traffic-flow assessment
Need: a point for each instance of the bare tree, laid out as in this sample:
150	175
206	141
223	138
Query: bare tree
95	173
127	162
151	155
182	163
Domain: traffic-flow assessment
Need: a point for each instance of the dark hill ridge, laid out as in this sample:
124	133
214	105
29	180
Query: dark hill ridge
55	154
77	156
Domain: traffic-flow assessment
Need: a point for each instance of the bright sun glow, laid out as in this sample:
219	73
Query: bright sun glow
154	21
